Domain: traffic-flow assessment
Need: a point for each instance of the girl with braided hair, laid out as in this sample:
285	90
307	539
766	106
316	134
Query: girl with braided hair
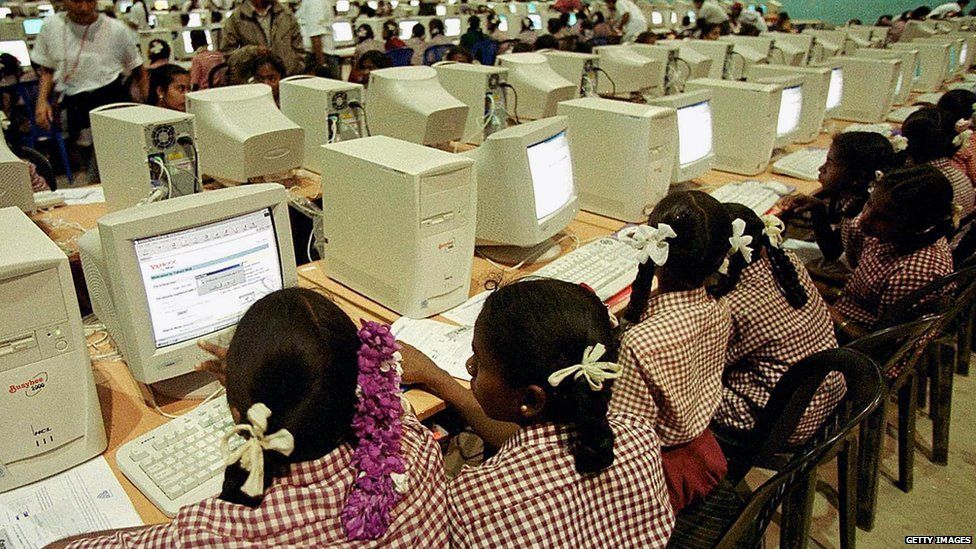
778	319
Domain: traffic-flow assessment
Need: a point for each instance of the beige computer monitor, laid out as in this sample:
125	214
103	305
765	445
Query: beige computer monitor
536	87
576	67
480	88
627	72
15	189
815	89
933	60
409	103
910	68
695	153
869	88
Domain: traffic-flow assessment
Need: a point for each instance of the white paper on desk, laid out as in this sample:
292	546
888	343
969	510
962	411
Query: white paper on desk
87	498
467	312
448	346
82	195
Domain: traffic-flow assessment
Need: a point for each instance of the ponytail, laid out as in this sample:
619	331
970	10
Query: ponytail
786	277
593	448
640	293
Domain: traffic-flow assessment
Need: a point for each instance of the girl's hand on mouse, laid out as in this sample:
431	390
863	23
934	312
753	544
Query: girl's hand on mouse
216	366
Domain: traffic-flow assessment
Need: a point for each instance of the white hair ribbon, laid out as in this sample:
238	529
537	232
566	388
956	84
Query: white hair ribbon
962	138
962	125
650	242
590	368
251	453
899	143
740	241
878	175
773	228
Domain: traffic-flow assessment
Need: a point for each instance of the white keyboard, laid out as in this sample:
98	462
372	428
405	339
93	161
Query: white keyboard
606	265
802	164
48	199
179	463
899	115
932	98
883	128
756	195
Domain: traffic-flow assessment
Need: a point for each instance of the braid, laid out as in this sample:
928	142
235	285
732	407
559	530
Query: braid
640	293
728	282
786	277
593	449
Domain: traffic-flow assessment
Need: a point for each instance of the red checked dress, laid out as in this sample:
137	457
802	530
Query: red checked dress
530	495
768	337
303	509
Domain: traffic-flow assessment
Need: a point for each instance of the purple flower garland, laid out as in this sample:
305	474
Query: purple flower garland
366	515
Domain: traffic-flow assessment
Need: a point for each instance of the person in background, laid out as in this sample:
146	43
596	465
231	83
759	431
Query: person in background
711	13
168	86
436	31
267	68
601	29
783	23
417	44
948	9
646	37
752	19
711	31
884	21
546	42
138	15
459	54
630	19
854	22
474	33
204	60
268	24
391	36
735	12
933	140
365	41
568	6
959	105
159	53
567	472
307	480
898	26
315	18
85	56
384	9
368	62
554	26
528	33
494	32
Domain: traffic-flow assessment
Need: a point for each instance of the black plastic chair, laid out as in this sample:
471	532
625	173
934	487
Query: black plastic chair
433	54
400	57
724	520
485	51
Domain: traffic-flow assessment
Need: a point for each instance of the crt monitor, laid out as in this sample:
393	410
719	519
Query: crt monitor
409	103
15	176
532	7
526	190
32	26
17	48
933	63
790	106
242	134
627	71
503	23
536	21
342	6
535	86
440	10
816	84
452	26
194	20
869	88
695	153
161	5
342	31
835	92
5	12
406	28
165	275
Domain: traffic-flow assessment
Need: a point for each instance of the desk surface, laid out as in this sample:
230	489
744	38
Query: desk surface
126	414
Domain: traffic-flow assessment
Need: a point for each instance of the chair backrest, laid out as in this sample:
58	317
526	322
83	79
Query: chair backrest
485	51
568	43
217	77
936	297
400	57
864	392
433	54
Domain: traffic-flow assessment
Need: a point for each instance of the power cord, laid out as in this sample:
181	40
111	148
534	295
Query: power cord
197	176
613	85
359	106
508	86
489	116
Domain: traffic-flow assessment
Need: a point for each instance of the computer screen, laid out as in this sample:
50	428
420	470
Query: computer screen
512	8
790	107
440	10
32	26
899	83
161	5
572	20
342	31
531	8
152	20
4	12
195	20
201	280
694	132
836	90
657	18
551	167
452	26
963	53
536	21
692	18
18	49
342	6
953	58
372	4
503	23
45	9
188	43
406	28
674	18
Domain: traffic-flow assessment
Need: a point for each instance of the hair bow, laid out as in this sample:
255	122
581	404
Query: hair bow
773	228
4	121
594	371
251	453
899	143
650	242
962	125
740	241
962	138
156	47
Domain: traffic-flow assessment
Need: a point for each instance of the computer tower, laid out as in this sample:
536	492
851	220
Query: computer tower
573	66
49	410
141	148
328	110
480	88
623	155
15	180
411	249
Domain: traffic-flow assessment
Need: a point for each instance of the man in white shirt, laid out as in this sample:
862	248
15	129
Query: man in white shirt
85	56
315	18
708	11
631	20
949	9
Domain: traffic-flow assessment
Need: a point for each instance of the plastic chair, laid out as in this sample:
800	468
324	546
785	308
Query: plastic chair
485	51
41	164
29	92
400	57
433	54
720	521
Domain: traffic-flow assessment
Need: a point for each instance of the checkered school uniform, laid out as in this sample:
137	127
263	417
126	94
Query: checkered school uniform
303	509
530	495
672	364
768	337
851	237
963	193
883	277
965	159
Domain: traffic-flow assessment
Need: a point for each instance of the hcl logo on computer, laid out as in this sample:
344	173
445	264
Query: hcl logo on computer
32	386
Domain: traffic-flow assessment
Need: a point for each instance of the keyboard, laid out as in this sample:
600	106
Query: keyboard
932	98
802	164
899	115
756	195
607	266
179	463
883	128
48	199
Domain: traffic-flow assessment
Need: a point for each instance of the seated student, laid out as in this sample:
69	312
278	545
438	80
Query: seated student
556	28
959	104
852	166
494	31
391	36
778	319
204	60
711	31
906	222
267	68
546	42
159	54
528	33
646	37
295	396
168	86
365	41
474	34
370	61
459	54
566	471
436	30
523	47
417	43
783	23
933	141
674	353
